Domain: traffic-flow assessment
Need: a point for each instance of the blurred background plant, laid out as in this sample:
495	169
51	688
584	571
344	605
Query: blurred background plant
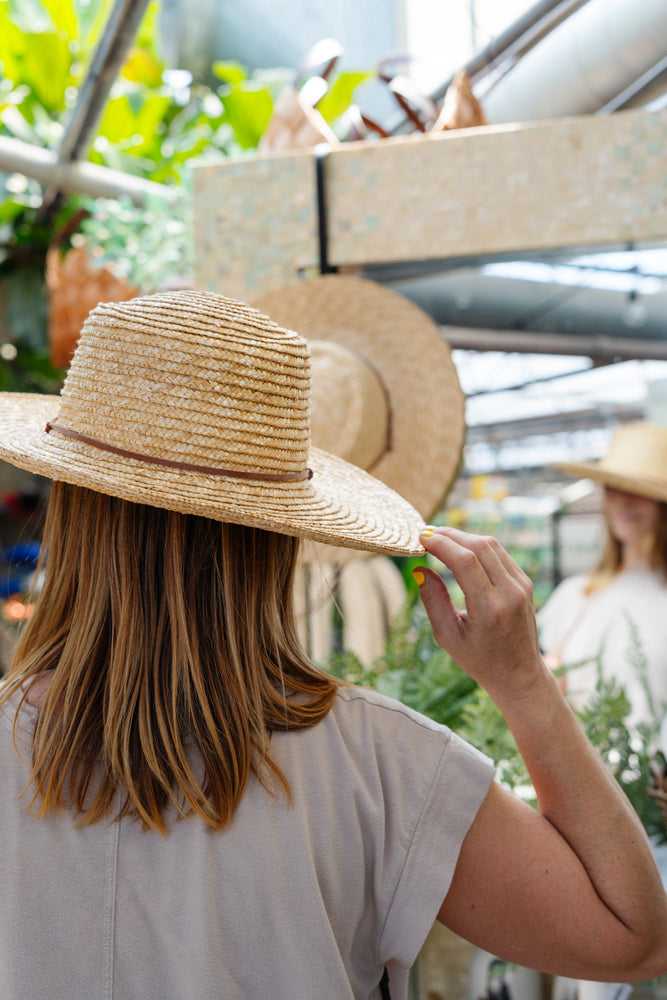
149	248
156	121
414	669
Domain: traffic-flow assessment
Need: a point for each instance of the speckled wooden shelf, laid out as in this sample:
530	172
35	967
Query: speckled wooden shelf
566	182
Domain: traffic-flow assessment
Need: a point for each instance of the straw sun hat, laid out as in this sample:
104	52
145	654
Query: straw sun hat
200	404
386	394
636	462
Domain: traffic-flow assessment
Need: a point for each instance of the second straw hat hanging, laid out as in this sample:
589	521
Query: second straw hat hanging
386	394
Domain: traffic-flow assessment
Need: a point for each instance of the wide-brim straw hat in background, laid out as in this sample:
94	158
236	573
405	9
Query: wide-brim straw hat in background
197	403
386	393
635	462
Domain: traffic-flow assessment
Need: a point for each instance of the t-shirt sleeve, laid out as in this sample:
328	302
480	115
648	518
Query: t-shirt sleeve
455	779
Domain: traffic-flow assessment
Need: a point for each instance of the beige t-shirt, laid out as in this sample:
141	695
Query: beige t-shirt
289	903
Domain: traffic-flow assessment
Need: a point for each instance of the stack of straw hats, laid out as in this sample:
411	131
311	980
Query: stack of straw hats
386	395
201	404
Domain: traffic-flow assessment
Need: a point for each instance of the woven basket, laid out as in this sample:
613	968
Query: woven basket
75	287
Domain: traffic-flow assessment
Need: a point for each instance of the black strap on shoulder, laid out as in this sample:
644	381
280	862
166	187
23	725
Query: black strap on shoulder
384	985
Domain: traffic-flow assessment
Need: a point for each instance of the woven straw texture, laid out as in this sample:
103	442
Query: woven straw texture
196	378
636	462
414	365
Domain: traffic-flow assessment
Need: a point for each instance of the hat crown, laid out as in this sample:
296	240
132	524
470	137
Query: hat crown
639	450
350	412
192	377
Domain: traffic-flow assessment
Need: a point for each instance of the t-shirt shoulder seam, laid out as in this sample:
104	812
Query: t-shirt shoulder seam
394	706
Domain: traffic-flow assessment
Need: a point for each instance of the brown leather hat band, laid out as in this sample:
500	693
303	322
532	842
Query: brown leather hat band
267	477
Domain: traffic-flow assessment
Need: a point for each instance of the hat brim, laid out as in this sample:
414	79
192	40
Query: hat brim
340	505
414	361
644	487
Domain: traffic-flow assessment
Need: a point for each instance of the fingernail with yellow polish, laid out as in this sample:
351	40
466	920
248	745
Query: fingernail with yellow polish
419	576
427	532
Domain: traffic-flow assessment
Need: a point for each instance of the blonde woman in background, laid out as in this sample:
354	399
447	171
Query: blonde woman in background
189	808
616	615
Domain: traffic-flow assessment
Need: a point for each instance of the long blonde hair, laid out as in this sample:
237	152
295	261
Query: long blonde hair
165	633
611	559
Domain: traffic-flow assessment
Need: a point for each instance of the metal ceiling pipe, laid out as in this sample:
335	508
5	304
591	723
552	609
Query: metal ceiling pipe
43	165
517	39
511	44
603	350
583	63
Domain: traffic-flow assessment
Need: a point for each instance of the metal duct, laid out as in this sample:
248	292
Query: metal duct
583	64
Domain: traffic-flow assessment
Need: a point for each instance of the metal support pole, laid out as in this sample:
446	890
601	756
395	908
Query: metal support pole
108	60
82	178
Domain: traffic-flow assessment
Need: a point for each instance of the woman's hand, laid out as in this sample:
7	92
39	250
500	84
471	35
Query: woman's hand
495	639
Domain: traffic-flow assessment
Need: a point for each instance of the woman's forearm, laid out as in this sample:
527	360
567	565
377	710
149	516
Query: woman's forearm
495	641
579	796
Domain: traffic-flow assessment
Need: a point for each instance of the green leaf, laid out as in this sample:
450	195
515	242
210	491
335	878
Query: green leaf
135	113
13	43
63	17
46	69
248	108
9	207
339	96
229	71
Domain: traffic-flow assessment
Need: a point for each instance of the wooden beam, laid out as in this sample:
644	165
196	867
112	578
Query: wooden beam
498	189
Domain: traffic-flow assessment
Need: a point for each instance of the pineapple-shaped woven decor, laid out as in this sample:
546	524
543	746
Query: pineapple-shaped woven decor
75	287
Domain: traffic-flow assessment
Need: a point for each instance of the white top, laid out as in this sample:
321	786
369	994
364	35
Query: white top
625	623
287	903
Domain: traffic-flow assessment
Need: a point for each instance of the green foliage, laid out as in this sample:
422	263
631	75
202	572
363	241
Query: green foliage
148	248
25	365
485	728
637	660
340	95
416	671
626	754
155	124
43	48
247	100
